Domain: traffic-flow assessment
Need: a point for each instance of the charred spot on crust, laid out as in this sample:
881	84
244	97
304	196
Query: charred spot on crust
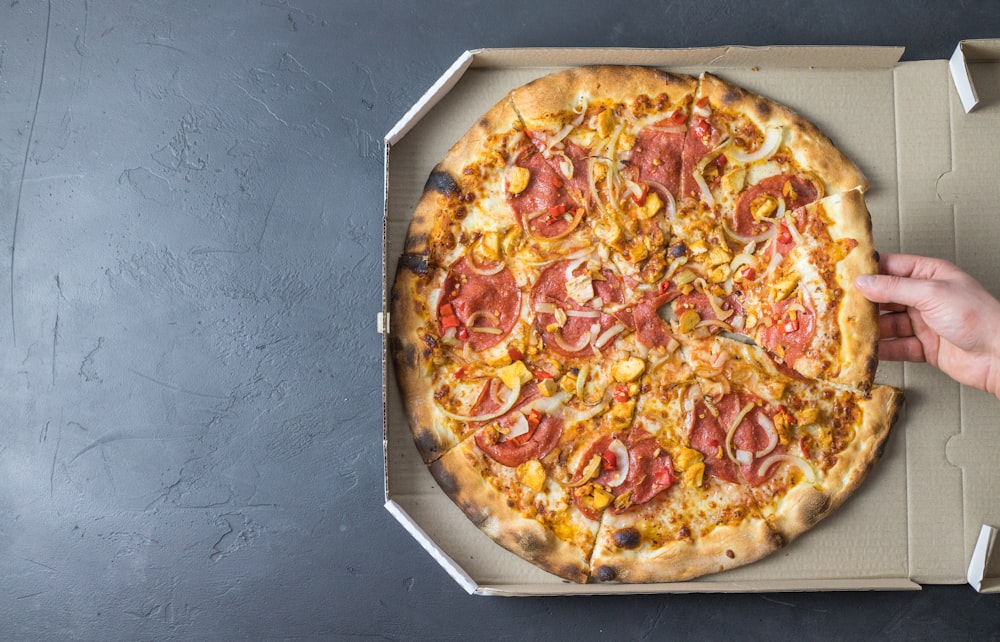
447	482
763	109
605	574
416	263
442	183
627	538
730	554
404	351
529	543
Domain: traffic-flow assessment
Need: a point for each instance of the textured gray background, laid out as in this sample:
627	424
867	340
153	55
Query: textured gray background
190	224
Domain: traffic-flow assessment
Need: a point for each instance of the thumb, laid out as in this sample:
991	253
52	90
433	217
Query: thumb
888	288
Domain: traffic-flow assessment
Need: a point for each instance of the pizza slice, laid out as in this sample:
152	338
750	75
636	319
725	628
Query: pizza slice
738	140
811	451
701	520
614	136
797	288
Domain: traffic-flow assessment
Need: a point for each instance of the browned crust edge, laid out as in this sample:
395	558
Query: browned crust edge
724	548
555	95
857	317
462	476
805	505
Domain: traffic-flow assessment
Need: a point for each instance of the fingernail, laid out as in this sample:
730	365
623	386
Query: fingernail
864	280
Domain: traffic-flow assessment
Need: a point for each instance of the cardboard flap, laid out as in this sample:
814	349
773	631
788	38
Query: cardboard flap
448	564
961	64
983	568
430	97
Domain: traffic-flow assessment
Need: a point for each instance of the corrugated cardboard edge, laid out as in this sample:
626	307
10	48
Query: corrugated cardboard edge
453	569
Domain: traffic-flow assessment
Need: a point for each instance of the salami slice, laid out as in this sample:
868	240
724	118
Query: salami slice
540	439
650	471
754	434
796	191
545	207
471	300
577	334
658	155
792	331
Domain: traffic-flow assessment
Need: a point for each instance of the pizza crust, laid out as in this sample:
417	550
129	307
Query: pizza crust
460	475
805	504
725	546
545	99
857	317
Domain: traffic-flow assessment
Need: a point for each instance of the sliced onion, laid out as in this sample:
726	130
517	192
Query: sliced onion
621	460
701	110
766	235
580	345
545	307
770	144
566	165
744	457
483	314
732	429
609	334
793	229
485	330
798	462
577	217
552	406
499	412
490	271
739	261
590	471
584	415
772	435
585	314
716	304
634	188
519	427
574	265
707	323
776	258
530	216
706	194
581	381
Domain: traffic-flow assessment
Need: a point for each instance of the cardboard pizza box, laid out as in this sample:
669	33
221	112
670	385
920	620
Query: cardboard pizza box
926	143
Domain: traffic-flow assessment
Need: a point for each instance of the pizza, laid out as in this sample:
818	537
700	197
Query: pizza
624	328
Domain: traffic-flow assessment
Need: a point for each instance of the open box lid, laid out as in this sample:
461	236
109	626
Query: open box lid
917	518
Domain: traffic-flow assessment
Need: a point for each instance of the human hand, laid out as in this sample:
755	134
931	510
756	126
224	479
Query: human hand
935	312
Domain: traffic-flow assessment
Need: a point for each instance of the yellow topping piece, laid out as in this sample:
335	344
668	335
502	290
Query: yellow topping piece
548	387
689	319
514	374
518	179
628	370
605	123
532	474
651	206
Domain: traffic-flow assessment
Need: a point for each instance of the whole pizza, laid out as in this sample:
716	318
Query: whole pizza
625	331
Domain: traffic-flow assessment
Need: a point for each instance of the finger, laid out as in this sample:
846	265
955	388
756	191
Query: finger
887	288
911	265
895	325
908	349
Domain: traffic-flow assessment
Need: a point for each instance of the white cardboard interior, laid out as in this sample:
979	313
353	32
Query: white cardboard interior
918	516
